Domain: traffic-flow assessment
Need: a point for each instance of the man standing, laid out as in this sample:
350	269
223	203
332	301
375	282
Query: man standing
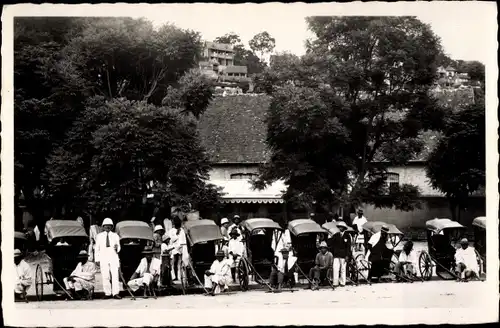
23	276
323	262
147	272
357	224
158	238
224	224
236	225
82	278
465	258
341	248
218	274
106	254
378	253
283	271
235	251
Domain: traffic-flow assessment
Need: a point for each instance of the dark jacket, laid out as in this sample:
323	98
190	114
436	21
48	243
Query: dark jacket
340	245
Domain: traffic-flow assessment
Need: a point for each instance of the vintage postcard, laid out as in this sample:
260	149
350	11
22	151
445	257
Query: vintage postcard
249	164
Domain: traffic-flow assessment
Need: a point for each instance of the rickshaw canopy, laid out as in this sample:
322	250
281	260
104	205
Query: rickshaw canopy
64	228
199	231
260	223
303	226
134	230
480	222
332	228
438	225
376	226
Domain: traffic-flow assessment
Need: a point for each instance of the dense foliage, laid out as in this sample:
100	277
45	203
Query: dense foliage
355	103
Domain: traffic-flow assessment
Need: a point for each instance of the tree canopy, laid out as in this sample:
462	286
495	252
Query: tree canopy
262	43
355	103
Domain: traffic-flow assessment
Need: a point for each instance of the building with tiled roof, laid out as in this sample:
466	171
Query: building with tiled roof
233	133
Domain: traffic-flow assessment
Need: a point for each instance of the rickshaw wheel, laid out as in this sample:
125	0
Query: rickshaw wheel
480	263
362	265
39	282
425	266
351	270
243	275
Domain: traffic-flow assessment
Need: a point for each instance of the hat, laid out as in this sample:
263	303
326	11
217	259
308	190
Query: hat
464	241
234	232
220	253
224	220
158	227
83	253
342	224
236	216
323	245
284	250
107	221
384	228
17	253
147	250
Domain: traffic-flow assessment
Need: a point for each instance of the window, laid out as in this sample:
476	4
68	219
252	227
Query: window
243	176
392	180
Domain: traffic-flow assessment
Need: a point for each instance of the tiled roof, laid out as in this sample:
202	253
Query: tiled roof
233	129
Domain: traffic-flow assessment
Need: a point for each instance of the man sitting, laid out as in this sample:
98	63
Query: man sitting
465	258
235	252
82	279
284	269
23	276
323	262
407	264
147	272
218	275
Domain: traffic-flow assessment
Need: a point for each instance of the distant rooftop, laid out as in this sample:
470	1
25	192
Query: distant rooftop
236	69
219	46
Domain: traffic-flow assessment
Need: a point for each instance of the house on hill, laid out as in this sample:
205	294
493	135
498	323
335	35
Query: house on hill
233	133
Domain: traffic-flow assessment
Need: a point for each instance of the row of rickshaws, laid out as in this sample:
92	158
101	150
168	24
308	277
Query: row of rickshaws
260	235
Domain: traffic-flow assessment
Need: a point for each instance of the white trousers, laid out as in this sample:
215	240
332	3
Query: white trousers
220	280
339	271
110	278
78	285
137	283
19	287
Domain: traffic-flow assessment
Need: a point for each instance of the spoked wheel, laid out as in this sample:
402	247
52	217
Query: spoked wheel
243	274
352	273
480	263
425	266
39	282
362	265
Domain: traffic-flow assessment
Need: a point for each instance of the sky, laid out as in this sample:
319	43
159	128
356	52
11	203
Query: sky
461	27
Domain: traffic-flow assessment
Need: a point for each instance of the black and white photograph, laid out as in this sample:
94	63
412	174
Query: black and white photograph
245	164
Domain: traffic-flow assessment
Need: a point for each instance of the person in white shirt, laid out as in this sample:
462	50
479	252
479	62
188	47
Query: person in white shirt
23	276
106	254
94	230
284	270
218	275
466	261
177	243
147	272
158	239
236	224
82	278
224	224
235	252
283	240
357	224
407	262
167	224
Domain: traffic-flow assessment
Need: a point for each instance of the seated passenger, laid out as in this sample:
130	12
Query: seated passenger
323	262
23	276
465	258
82	279
407	263
218	275
147	272
283	271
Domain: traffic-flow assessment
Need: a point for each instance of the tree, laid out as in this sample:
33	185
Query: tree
475	70
121	150
358	104
229	38
457	166
262	43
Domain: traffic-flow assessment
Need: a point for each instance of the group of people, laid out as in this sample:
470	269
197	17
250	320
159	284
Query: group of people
105	247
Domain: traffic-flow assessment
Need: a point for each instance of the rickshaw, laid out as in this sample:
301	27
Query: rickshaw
134	236
66	238
479	226
20	242
203	239
258	238
395	236
442	237
304	234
